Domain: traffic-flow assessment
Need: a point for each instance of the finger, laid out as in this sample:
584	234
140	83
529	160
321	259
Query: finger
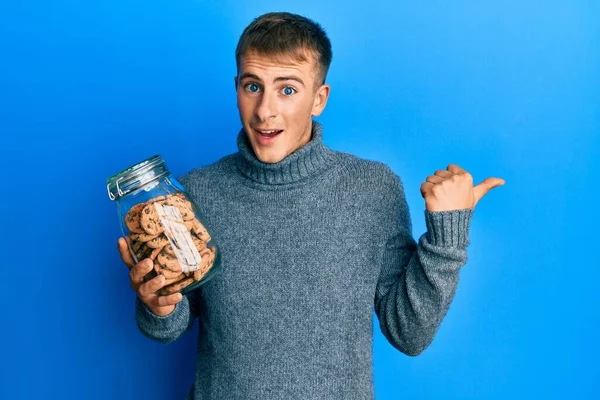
140	270
488	184
125	253
443	174
152	286
426	189
434	179
170	300
455	169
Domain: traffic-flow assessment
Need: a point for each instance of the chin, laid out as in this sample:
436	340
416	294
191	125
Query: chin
270	158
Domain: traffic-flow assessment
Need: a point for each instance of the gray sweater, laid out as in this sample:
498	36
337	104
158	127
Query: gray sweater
309	246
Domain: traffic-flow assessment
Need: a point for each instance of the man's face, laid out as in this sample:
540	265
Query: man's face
276	101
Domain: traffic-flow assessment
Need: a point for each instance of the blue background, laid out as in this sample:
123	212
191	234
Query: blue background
502	88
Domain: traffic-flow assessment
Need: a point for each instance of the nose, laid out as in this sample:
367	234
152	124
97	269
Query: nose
267	106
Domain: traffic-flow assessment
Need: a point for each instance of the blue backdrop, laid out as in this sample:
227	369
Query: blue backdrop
502	88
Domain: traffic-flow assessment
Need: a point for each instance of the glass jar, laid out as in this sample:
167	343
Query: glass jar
160	222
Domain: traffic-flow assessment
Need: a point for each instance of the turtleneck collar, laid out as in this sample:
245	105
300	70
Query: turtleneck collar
305	162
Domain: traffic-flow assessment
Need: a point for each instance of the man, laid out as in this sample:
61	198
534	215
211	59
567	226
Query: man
311	239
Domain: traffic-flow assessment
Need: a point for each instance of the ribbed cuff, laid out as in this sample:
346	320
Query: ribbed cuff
449	228
152	323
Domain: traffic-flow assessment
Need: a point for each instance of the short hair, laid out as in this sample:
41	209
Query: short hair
282	34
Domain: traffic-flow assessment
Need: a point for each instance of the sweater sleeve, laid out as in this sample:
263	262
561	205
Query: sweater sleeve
168	328
417	282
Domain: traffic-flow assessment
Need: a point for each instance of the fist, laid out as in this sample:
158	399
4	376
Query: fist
147	290
453	189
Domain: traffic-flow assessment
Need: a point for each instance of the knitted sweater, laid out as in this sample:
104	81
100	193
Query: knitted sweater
310	246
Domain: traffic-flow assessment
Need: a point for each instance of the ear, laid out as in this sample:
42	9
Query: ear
236	81
321	96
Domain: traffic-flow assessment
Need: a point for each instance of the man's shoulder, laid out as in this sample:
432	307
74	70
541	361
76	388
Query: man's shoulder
364	168
369	180
214	170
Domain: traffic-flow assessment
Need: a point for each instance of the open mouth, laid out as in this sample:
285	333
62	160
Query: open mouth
271	133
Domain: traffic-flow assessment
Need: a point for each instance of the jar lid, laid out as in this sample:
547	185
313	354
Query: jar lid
136	176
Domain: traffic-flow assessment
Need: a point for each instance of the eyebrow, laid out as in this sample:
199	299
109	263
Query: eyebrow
278	79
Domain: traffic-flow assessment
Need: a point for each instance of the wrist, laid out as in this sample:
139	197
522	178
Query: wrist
449	228
159	311
162	311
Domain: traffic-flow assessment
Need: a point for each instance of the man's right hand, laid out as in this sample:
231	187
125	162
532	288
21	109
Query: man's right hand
146	291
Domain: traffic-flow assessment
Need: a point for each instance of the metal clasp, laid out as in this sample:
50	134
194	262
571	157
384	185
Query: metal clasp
112	196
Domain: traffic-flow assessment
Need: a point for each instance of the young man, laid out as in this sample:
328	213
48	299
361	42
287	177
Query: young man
311	239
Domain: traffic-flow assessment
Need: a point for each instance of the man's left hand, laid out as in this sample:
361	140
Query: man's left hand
453	189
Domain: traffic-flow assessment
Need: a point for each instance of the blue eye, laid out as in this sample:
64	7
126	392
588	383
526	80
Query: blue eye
252	87
288	91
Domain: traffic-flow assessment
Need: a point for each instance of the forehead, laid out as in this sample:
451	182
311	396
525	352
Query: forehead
276	65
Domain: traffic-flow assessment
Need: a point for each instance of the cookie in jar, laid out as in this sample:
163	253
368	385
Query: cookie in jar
161	223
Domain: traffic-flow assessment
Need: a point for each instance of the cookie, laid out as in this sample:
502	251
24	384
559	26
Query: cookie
150	221
141	237
157	199
169	261
143	252
179	202
200	244
154	253
135	246
208	258
189	225
132	219
158	242
175	279
166	272
168	249
200	231
183	205
187	214
198	274
175	287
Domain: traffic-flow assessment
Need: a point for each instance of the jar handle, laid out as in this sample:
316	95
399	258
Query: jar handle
119	191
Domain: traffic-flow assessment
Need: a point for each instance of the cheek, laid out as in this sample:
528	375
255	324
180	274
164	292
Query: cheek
244	104
297	107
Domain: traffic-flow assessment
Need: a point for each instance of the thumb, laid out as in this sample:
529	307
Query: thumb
488	184
125	253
